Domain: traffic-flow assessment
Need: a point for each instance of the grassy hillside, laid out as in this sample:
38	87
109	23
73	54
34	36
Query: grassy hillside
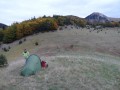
106	41
84	59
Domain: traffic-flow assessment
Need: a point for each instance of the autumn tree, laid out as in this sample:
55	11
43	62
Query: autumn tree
1	36
9	36
28	27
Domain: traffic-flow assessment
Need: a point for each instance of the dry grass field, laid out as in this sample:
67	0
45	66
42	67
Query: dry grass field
78	59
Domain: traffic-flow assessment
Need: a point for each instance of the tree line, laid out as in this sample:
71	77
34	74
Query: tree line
35	25
19	30
43	24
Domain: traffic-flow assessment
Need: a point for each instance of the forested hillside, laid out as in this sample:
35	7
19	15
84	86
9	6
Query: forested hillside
35	25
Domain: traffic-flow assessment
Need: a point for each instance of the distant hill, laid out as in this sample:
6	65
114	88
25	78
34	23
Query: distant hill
73	17
114	19
97	17
3	26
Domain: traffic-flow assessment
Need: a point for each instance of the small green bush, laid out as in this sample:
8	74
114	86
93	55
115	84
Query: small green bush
3	60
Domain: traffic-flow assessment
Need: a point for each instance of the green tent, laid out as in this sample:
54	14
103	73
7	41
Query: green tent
33	64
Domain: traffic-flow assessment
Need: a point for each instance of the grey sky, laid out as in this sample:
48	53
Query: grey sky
19	10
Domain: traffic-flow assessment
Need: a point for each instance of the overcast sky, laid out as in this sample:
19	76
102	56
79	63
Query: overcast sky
19	10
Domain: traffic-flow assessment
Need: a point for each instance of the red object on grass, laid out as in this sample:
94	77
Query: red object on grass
43	64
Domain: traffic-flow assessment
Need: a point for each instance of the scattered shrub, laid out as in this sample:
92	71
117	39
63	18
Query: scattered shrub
97	31
3	60
0	44
60	28
24	39
5	49
71	46
9	47
90	31
36	43
20	42
77	28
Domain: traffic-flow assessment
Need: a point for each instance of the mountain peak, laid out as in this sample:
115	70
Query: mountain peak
97	17
96	13
99	14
